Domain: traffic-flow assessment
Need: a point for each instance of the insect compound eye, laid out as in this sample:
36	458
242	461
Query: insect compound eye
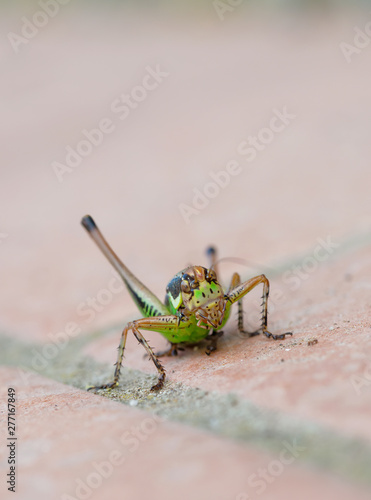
211	275
184	286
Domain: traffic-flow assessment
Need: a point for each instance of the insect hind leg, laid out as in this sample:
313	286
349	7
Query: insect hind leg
213	258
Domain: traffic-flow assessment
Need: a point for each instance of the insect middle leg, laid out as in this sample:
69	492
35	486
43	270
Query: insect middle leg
213	341
237	292
172	350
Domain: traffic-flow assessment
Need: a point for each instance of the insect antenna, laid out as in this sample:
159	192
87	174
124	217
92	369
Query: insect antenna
243	262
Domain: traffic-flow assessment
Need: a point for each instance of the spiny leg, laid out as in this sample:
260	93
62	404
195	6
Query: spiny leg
238	292
235	281
161	324
156	361
120	355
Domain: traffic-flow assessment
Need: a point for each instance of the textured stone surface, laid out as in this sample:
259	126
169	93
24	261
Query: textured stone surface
72	444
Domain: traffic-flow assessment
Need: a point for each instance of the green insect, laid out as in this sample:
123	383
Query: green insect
196	307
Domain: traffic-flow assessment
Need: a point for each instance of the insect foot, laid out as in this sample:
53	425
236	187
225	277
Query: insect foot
159	384
276	337
104	386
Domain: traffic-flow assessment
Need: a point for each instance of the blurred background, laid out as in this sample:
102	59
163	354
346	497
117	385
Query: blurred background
217	74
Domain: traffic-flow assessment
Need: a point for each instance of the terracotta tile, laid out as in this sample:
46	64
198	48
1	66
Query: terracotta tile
72	444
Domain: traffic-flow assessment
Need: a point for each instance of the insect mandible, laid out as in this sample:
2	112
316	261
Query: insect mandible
195	308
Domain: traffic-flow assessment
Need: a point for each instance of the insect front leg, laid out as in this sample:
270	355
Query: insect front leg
235	281
120	356
238	292
152	355
167	325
